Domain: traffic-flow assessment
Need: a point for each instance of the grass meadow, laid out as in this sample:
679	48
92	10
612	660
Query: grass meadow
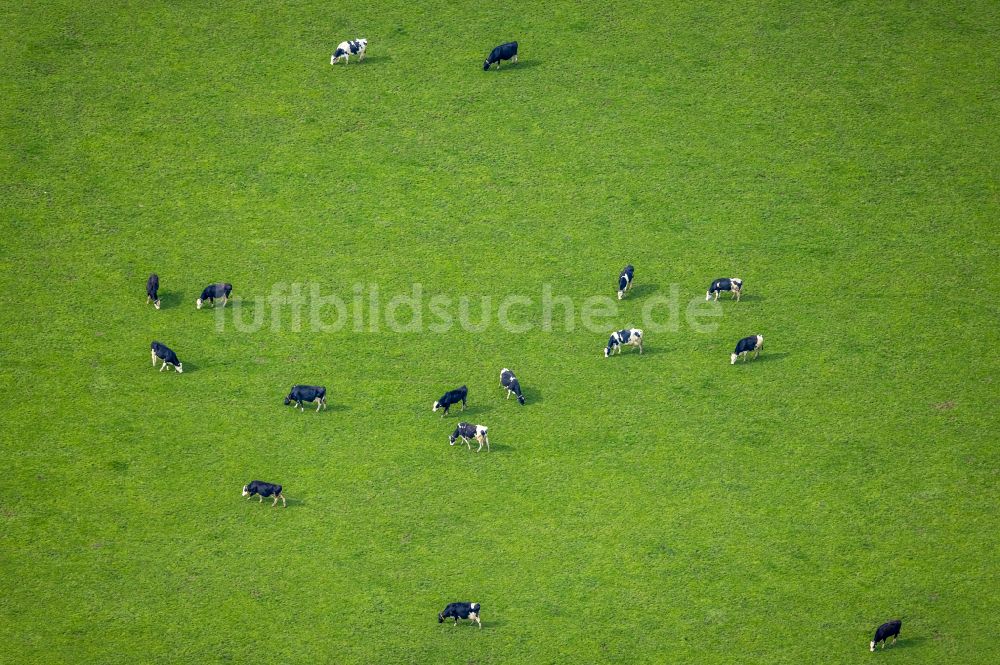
840	157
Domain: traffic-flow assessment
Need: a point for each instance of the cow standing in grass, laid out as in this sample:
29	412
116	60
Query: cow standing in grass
884	632
299	394
262	489
152	287
506	51
626	337
625	280
743	348
510	383
213	291
460	394
168	357
466	431
458	611
731	284
346	49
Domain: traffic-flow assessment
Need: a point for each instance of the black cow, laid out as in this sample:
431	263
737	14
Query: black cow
466	431
157	350
213	291
451	397
506	51
152	286
733	284
458	611
299	394
743	347
510	382
884	632
625	280
262	489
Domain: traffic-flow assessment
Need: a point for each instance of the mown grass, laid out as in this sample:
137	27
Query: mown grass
840	157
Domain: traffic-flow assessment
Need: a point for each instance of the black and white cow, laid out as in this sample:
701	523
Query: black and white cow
451	397
733	284
506	51
152	286
458	611
157	350
884	632
510	382
466	431
299	394
262	489
625	280
213	291
743	347
346	49
627	337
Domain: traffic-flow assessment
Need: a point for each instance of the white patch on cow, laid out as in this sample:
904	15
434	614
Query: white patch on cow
245	492
198	303
872	646
180	368
732	359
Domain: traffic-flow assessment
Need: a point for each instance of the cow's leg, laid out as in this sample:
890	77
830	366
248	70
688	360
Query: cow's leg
163	366
468	445
487	439
225	299
148	298
479	439
508	393
283	504
301	408
260	498
463	405
152	354
275	502
319	403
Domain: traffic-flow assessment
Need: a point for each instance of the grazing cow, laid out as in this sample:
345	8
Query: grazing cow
752	343
466	431
152	286
157	350
262	489
733	284
510	382
506	51
625	280
458	611
883	633
627	337
299	394
213	291
451	397
346	49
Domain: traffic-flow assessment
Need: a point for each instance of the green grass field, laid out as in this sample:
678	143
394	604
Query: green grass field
842	158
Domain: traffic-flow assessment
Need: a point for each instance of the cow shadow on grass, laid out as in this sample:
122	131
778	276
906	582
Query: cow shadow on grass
765	357
641	290
520	64
170	299
531	396
904	643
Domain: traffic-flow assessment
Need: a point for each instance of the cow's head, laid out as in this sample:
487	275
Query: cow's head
437	405
156	303
245	490
451	439
520	398
732	358
198	303
607	351
441	620
180	368
708	295
288	400
486	66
